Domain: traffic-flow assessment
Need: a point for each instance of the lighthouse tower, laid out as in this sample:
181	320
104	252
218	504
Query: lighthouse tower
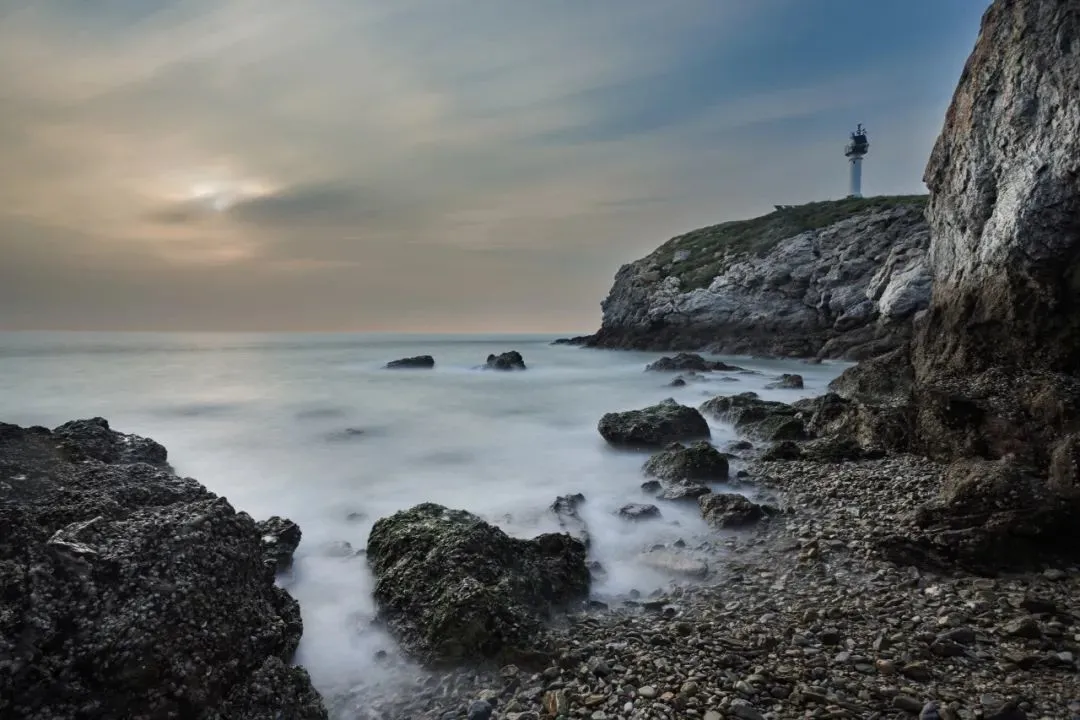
855	151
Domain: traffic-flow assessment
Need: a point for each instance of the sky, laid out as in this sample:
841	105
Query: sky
427	165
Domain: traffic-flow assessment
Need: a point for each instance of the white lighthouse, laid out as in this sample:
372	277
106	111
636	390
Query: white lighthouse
855	151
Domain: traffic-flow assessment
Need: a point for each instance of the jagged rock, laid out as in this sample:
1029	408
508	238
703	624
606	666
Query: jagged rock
783	450
689	362
420	362
506	361
730	510
132	592
636	512
788	381
93	439
683	491
653	427
653	487
836	279
280	538
765	419
454	589
565	509
699	463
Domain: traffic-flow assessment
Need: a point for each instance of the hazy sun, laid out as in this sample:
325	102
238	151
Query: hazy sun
220	195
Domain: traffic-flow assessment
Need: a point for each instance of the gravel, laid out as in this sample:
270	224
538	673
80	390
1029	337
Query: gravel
798	617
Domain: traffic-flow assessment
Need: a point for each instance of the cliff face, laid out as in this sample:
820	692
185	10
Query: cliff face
829	279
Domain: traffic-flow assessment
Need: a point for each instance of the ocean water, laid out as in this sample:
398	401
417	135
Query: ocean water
311	427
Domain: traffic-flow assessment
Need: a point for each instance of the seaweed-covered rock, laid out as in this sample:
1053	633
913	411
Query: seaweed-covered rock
731	510
419	362
765	419
506	361
653	427
132	592
698	463
454	589
689	362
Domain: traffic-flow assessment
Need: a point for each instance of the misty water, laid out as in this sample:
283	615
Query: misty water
310	427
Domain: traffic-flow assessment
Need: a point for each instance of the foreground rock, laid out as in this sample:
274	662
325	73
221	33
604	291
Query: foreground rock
506	361
454	589
653	427
830	279
689	362
420	362
131	592
731	510
763	419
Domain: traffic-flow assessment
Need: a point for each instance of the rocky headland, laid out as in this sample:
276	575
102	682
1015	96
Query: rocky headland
836	279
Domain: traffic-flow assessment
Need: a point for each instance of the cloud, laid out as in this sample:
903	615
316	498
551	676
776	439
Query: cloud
400	162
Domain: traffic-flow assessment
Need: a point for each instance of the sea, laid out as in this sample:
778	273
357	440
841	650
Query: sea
313	428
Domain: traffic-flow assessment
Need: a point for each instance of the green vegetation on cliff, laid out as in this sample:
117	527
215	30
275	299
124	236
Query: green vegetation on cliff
704	253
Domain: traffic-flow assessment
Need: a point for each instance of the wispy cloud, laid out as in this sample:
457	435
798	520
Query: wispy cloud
399	162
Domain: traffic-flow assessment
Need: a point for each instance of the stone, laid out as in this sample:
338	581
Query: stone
450	587
480	710
647	691
419	362
565	509
689	362
511	360
790	381
907	704
280	538
147	594
730	510
743	709
697	464
656	426
636	512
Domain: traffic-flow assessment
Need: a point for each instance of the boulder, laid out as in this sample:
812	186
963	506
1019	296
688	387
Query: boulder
565	509
731	510
506	361
789	381
677	492
689	362
635	512
764	419
420	362
653	427
132	592
454	589
699	463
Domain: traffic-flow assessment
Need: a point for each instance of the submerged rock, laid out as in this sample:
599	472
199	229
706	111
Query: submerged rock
636	512
132	592
565	509
420	362
765	419
789	381
454	589
653	427
506	361
699	463
689	362
731	510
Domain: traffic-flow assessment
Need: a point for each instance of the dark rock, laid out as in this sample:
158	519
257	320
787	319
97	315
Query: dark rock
689	362
453	588
783	450
1009	711
480	710
698	463
93	439
420	362
653	427
565	509
653	487
787	380
683	491
637	511
765	419
132	592
730	510
506	361
280	538
677	382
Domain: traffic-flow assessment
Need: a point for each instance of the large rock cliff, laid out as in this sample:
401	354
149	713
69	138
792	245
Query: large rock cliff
828	279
